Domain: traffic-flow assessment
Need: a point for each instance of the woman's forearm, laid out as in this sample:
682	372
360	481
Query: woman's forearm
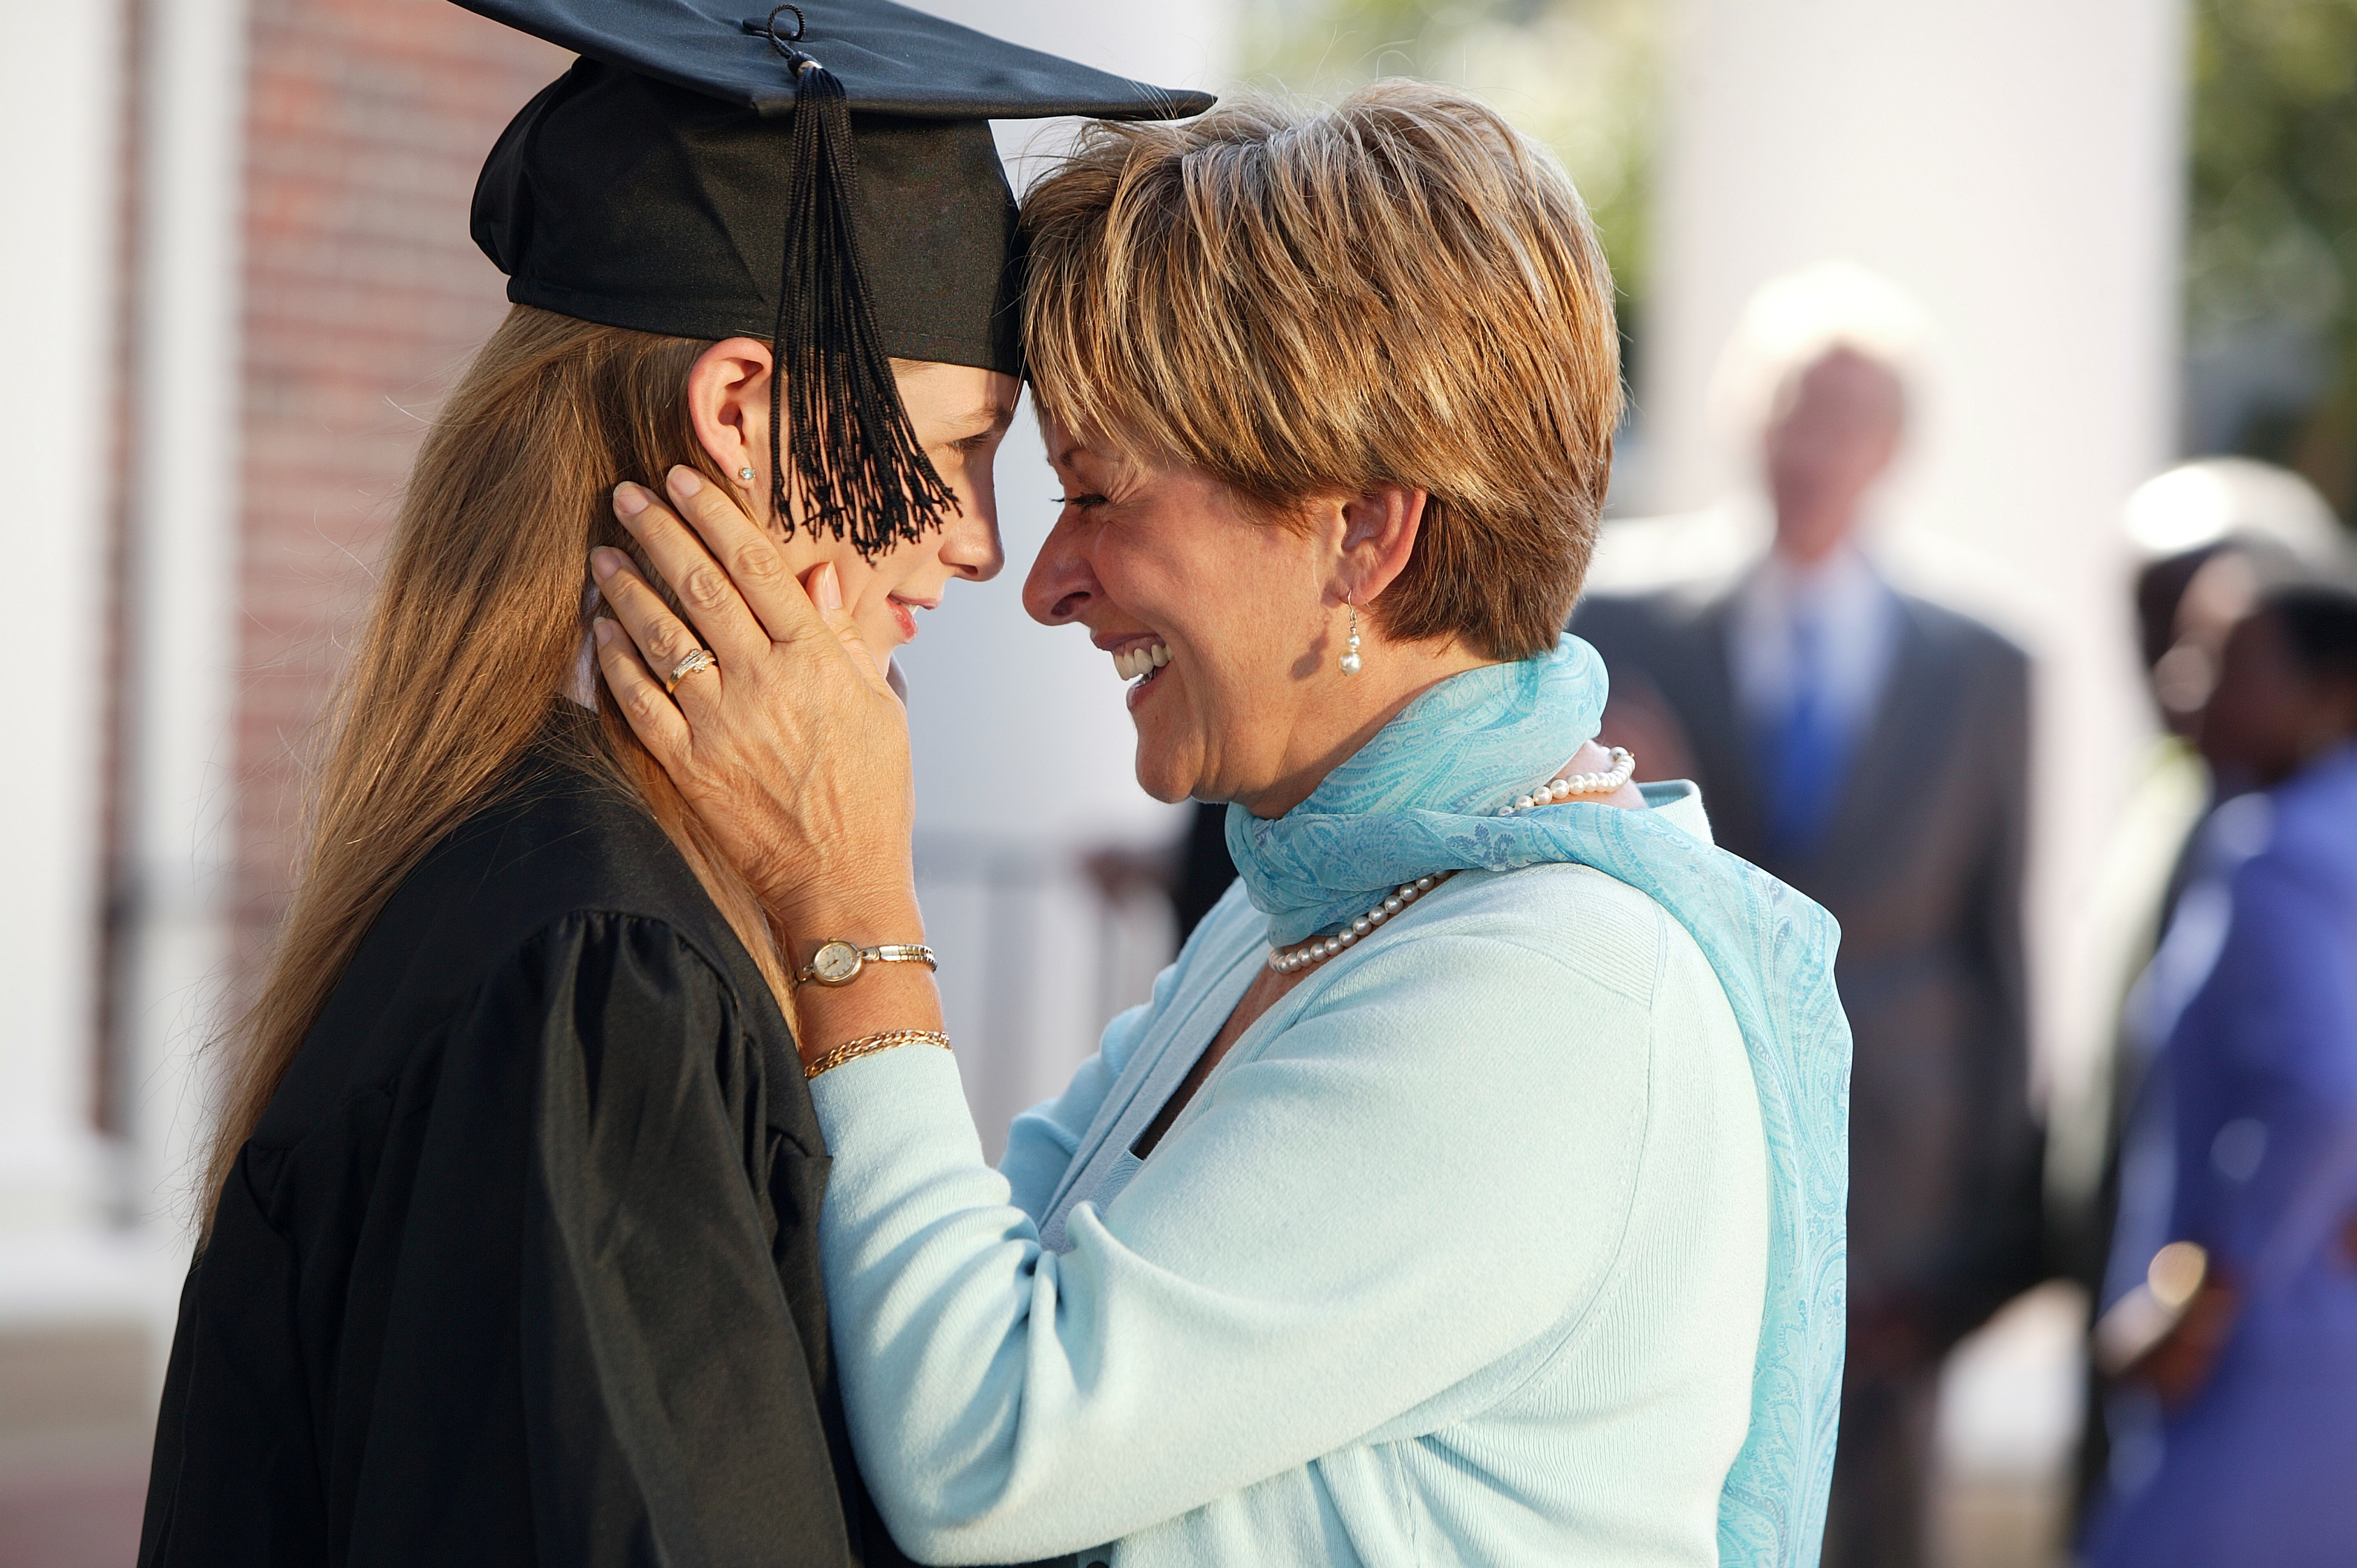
883	996
1244	1308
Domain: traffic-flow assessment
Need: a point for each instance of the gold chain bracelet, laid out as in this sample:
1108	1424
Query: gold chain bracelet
869	1045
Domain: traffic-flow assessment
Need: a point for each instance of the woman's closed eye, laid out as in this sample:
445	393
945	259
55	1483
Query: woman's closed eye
1081	502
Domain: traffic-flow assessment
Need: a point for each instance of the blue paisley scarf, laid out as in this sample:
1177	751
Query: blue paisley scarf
1422	797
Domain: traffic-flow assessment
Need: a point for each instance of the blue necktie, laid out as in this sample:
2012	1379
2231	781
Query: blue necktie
1804	751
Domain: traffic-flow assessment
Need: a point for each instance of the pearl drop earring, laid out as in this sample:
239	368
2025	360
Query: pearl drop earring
1350	660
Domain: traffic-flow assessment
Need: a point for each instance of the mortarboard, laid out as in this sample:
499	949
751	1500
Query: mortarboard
820	174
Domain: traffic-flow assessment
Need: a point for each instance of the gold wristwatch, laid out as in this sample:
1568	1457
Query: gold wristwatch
839	962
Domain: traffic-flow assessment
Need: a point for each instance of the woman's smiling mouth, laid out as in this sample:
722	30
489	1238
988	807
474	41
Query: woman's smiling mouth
1143	659
1141	664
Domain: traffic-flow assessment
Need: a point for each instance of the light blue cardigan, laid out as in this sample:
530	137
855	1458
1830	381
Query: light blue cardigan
1454	1256
1458	1258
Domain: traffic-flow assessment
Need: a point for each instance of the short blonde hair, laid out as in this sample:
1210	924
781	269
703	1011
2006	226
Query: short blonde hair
1398	290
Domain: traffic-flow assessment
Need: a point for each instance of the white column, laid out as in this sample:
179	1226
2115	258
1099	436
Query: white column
181	584
2017	166
180	592
59	121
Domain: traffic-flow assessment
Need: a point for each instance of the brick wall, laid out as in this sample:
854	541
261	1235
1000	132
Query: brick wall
367	120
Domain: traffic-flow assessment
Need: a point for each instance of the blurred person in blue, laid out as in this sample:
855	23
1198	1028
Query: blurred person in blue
2230	1317
1871	748
2208	537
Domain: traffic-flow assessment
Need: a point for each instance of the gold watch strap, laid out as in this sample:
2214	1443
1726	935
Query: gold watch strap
838	961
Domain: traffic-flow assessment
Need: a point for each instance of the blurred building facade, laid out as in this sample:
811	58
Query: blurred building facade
255	281
252	278
260	265
272	200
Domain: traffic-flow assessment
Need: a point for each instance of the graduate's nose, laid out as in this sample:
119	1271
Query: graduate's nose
971	547
1062	582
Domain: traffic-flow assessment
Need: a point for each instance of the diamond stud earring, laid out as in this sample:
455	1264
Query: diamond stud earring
1350	660
746	475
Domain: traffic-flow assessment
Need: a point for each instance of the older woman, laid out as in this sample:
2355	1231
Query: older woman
1471	1189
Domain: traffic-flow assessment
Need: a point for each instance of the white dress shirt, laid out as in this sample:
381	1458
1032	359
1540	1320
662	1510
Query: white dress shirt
1858	616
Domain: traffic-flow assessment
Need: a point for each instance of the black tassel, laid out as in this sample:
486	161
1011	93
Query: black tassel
833	401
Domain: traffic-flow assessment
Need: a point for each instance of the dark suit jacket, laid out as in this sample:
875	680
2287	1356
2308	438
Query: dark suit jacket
1921	864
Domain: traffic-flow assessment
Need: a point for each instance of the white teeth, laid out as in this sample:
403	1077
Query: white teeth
1132	663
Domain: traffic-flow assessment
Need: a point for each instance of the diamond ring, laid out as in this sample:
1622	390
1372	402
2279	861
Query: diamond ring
698	661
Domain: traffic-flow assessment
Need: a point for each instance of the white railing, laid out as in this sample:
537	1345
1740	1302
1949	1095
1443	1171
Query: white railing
1035	961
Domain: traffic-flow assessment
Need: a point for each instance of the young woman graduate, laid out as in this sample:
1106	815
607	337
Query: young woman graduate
508	1248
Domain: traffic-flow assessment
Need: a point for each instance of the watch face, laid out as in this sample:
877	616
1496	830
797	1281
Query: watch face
835	963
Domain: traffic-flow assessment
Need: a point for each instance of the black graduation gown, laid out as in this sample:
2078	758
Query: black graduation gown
522	1264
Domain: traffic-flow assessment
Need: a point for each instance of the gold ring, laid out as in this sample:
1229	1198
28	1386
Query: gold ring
698	661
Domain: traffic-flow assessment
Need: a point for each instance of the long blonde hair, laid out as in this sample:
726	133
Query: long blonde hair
475	627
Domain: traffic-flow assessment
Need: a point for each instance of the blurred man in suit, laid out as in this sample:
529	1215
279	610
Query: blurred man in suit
1870	748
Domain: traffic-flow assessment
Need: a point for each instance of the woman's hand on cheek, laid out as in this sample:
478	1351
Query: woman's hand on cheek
793	751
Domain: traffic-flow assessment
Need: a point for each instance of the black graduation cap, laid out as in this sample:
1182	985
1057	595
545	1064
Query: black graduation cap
820	174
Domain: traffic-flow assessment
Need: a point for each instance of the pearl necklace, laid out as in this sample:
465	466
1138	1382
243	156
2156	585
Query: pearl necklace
1318	949
1609	782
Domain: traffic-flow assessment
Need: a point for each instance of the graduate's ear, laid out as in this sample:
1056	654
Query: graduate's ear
728	405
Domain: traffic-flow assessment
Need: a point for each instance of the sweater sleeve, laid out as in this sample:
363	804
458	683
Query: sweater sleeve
1429	1165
